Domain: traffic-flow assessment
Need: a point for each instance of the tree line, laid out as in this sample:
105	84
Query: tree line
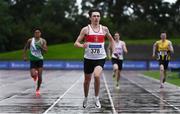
61	20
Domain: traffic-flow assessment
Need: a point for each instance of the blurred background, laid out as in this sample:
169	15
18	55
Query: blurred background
138	21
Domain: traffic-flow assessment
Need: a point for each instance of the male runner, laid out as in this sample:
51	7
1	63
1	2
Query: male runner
94	56
37	46
164	48
117	57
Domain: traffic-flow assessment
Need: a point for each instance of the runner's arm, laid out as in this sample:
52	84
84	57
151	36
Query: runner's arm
109	36
44	46
125	48
171	49
25	49
80	38
109	51
154	49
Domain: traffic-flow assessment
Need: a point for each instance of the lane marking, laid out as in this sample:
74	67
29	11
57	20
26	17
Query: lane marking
140	86
60	97
109	95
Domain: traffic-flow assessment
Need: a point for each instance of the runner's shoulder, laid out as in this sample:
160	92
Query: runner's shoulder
44	40
122	42
158	41
85	30
169	41
29	40
104	27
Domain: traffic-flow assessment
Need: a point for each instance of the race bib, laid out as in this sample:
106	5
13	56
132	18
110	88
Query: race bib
163	53
95	49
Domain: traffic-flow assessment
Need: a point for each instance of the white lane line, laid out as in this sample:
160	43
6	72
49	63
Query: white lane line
60	97
109	95
176	108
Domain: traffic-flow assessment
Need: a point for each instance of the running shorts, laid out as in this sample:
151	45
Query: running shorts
36	64
89	65
118	62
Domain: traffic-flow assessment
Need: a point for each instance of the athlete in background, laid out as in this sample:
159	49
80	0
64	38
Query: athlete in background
164	49
117	57
37	47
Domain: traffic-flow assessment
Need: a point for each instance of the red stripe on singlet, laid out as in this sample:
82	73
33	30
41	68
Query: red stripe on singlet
95	38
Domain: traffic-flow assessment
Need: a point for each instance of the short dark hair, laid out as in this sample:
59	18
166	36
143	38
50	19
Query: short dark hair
37	28
93	10
116	32
163	31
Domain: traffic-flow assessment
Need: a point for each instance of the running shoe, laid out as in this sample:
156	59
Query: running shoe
97	102
85	102
117	86
161	86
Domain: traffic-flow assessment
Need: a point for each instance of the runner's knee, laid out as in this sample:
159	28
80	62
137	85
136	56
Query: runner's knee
33	74
87	79
97	71
115	67
161	68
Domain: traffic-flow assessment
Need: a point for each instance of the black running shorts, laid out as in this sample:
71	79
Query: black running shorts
89	65
118	62
165	63
36	64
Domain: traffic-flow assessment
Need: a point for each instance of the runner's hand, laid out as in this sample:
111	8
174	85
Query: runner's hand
85	45
109	57
153	56
116	55
24	58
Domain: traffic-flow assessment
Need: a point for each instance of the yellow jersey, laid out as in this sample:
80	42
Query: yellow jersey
163	49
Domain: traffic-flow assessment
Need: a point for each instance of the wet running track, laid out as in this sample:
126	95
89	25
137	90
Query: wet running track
62	93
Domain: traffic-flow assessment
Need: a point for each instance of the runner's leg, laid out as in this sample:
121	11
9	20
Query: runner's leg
97	74
87	80
115	70
33	73
39	78
161	75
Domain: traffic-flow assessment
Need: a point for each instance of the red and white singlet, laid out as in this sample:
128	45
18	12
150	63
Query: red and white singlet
95	44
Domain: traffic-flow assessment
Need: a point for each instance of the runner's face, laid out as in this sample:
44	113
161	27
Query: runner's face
95	17
37	34
163	36
116	36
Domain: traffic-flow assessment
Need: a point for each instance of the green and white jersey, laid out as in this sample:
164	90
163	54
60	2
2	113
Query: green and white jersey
35	50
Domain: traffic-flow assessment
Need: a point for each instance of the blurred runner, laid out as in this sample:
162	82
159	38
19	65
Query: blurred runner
164	49
37	47
117	57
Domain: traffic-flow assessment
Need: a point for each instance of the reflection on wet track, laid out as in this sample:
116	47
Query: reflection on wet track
62	92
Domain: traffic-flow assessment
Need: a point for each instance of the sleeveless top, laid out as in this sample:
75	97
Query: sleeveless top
95	44
163	49
35	50
118	49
